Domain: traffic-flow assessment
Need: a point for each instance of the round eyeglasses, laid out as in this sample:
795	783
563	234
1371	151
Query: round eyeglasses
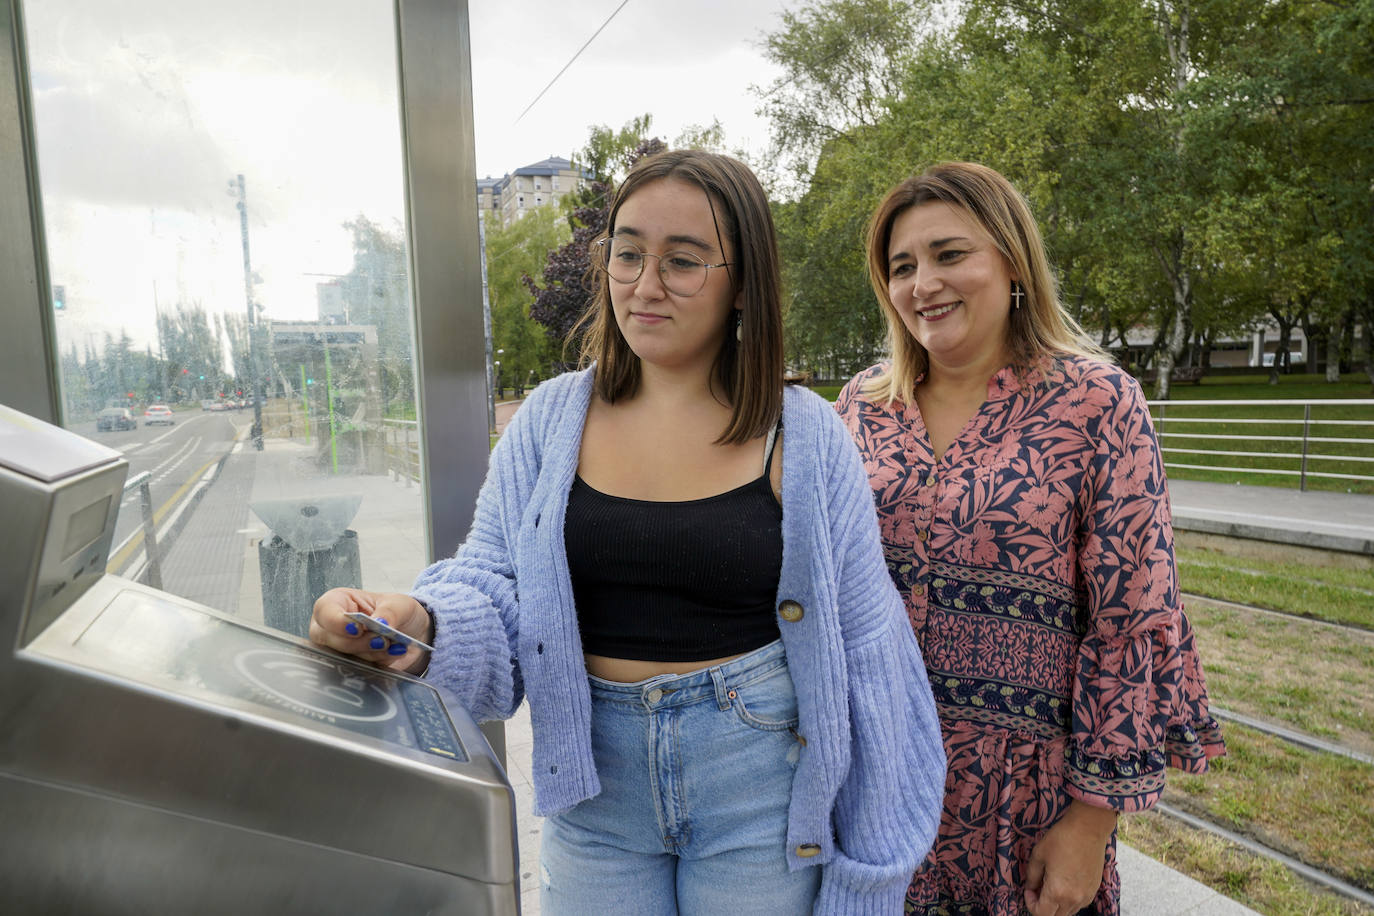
681	272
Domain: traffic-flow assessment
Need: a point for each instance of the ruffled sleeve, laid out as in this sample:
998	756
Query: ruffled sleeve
1139	698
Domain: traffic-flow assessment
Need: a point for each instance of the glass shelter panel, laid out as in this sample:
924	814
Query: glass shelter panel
224	199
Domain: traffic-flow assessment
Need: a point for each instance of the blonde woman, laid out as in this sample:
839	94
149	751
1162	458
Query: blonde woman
1025	519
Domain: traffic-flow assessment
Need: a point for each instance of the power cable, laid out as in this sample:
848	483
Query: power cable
570	62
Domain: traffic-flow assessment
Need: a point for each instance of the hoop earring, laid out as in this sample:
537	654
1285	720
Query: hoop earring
739	325
1017	294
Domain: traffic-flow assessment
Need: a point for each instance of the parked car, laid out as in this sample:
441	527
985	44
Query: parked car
115	418
158	413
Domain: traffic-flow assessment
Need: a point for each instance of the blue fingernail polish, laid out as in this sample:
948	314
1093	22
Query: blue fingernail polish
352	628
396	649
377	642
382	620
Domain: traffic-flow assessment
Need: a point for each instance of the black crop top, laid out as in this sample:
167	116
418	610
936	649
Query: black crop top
675	581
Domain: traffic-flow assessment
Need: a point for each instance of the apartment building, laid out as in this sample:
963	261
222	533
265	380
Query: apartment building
535	185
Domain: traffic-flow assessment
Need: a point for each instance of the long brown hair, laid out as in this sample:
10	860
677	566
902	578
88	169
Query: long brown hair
1040	327
747	372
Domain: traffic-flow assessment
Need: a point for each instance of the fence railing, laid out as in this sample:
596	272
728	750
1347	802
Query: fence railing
1328	439
152	570
402	449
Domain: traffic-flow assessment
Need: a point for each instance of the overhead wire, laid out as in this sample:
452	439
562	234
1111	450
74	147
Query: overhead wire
570	62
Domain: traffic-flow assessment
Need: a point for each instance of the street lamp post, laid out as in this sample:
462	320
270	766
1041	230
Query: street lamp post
492	381
236	187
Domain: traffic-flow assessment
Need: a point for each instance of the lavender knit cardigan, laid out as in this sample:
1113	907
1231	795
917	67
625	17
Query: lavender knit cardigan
869	785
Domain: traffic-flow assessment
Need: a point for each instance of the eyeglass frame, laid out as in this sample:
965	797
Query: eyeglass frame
605	267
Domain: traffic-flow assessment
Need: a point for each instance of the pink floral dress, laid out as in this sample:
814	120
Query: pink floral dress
1037	563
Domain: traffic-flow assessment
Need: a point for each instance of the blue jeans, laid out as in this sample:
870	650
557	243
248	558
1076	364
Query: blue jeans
696	776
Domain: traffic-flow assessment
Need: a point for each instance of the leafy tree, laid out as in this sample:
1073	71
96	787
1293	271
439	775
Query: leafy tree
513	252
565	296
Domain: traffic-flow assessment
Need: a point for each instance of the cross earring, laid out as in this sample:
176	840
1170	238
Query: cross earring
1017	293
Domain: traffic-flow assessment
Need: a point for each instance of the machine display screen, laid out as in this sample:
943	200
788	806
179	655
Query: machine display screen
84	526
170	643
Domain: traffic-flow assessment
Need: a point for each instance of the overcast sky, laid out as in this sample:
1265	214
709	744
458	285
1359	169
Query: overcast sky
685	63
146	109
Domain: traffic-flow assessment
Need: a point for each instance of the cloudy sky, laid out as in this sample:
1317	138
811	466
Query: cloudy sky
686	63
147	109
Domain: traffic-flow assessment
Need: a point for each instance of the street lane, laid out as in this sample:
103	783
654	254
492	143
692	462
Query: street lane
176	458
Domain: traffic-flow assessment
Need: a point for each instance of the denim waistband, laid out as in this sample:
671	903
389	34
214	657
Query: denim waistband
716	682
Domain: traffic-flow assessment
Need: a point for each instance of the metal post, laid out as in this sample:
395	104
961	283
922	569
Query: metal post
329	400
486	321
305	403
255	382
1306	422
154	567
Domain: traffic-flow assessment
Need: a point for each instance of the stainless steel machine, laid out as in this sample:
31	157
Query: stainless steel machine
158	756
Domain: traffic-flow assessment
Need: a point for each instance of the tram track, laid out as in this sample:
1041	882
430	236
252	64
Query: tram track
1297	866
1287	615
1333	883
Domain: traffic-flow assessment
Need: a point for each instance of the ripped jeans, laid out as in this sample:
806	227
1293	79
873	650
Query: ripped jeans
696	777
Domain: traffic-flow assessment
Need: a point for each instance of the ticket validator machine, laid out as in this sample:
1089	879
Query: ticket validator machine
160	756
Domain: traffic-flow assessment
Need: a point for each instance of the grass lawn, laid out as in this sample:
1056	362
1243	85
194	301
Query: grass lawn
1310	805
1300	673
1260	884
1316	679
1261	432
1333	594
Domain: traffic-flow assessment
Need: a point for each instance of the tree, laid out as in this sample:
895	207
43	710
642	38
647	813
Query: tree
513	252
566	295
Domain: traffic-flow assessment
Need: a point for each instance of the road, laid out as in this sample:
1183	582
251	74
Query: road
176	457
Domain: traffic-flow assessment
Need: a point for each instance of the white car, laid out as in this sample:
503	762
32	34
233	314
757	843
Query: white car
158	413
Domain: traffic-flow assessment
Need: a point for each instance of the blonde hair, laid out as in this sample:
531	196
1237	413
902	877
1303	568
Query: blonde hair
1040	327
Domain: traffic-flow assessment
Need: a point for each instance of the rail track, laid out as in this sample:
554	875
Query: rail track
1310	742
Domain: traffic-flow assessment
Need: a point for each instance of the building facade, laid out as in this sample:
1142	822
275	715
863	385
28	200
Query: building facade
536	185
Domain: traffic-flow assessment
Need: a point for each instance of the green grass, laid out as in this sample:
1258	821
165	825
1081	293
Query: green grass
1257	882
1327	593
1183	425
1310	805
1313	678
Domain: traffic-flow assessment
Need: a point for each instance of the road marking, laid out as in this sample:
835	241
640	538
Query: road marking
126	549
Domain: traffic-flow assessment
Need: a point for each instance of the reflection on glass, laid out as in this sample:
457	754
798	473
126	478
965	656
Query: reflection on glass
223	198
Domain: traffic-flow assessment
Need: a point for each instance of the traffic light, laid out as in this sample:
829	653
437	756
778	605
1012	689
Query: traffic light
59	296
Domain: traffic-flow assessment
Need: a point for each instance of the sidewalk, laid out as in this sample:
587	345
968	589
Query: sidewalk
1318	519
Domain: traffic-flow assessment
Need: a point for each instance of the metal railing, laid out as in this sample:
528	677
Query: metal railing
1329	438
152	570
402	449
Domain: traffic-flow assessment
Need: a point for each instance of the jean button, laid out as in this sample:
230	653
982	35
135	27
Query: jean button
655	695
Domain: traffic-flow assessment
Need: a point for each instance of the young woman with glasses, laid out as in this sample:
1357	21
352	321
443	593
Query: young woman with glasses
676	561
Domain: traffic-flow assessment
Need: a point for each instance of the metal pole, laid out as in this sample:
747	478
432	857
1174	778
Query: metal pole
154	567
255	378
1306	423
329	399
305	402
486	322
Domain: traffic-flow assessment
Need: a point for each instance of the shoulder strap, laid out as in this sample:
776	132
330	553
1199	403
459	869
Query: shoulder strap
768	447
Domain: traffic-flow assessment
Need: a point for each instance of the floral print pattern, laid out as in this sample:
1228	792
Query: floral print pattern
1036	559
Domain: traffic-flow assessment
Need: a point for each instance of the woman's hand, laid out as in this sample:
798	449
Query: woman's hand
1065	867
329	627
